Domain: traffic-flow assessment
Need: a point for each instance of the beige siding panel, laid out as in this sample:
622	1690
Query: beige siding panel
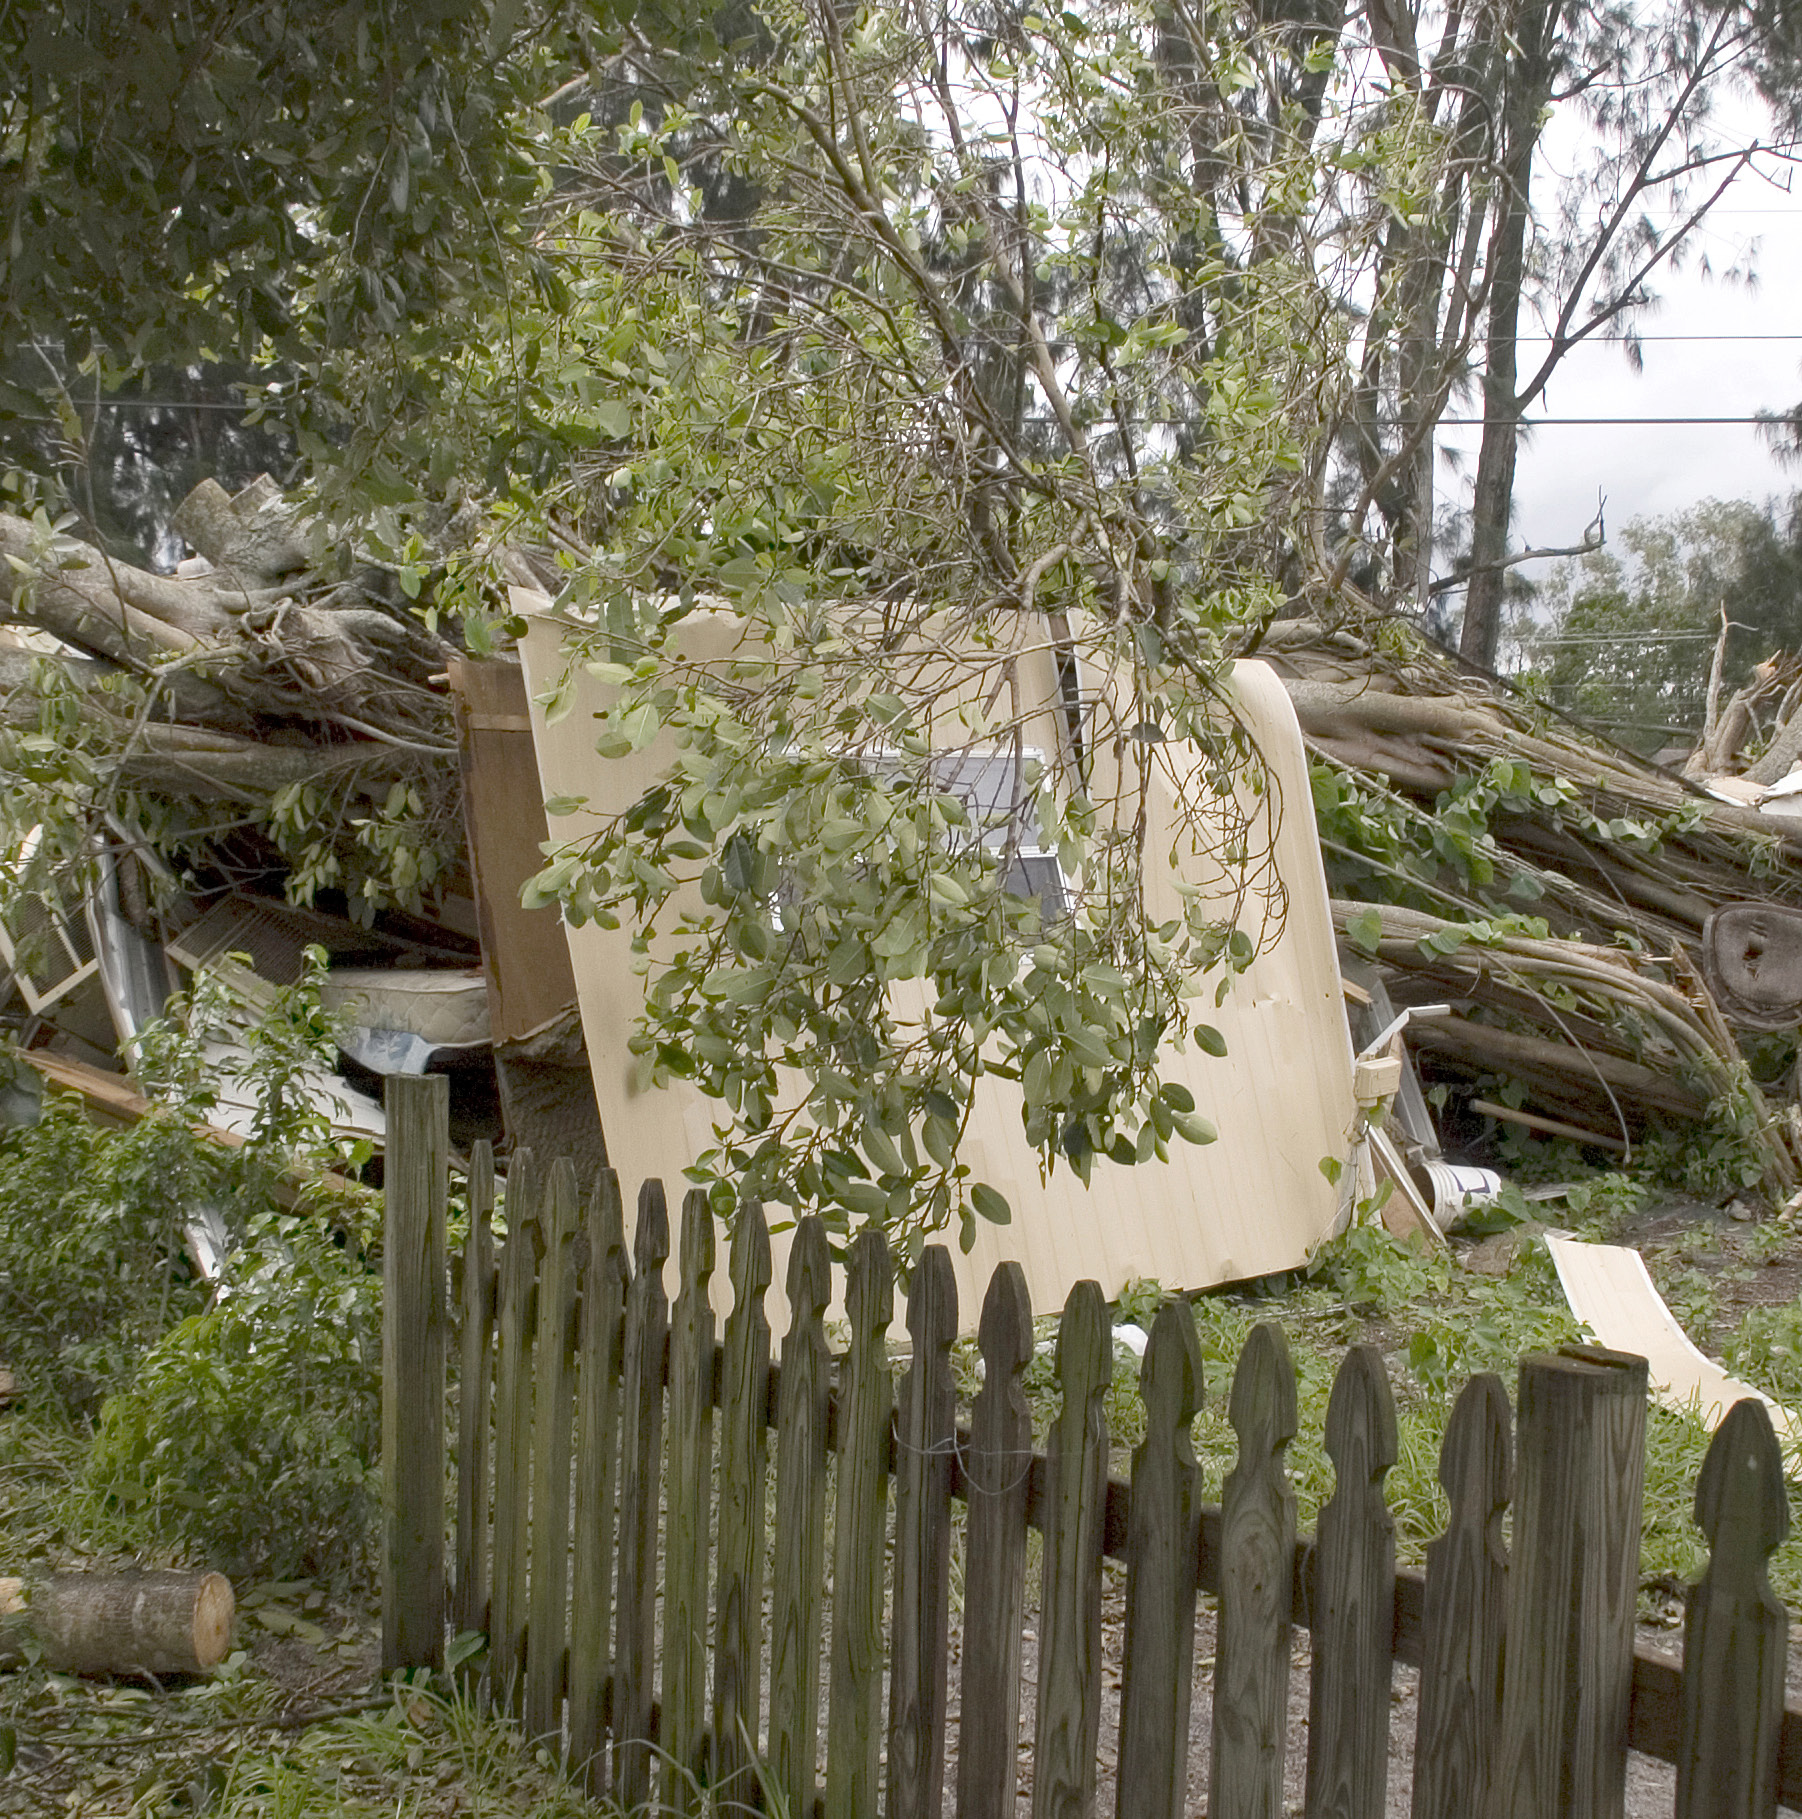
1253	1202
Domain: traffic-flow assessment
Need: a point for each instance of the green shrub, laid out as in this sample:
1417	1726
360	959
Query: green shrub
252	1431
92	1268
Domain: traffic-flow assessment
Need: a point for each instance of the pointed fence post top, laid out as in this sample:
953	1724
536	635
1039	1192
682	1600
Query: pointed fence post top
606	1218
650	1243
809	1270
748	1261
1085	1336
525	1191
932	1302
558	1217
1742	1503
870	1284
1361	1431
1262	1407
697	1237
1476	1458
1004	1337
1170	1379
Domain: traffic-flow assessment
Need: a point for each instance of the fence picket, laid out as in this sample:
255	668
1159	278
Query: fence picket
605	1275
553	1409
475	1378
1465	1610
865	1404
1257	1566
744	1473
641	1455
1573	1586
1736	1638
1159	1642
517	1319
802	1432
1354	1616
997	1470
1069	1715
926	1433
413	1335
682	1731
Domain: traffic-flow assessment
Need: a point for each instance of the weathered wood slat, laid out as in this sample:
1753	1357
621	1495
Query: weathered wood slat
1354	1621
414	1327
1256	1577
641	1459
998	1465
475	1387
1574	1586
553	1414
1069	1714
865	1405
605	1275
517	1325
925	1439
1736	1638
1465	1609
1159	1643
799	1569
689	1517
744	1472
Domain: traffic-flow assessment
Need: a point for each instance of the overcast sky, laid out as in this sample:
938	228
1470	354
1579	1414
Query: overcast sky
1731	361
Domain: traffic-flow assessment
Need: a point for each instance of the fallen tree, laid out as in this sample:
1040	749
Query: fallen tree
1555	887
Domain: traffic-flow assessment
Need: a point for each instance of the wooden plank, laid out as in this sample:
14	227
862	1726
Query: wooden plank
865	1405
689	1522
111	1100
998	1464
799	1569
517	1321
744	1473
475	1390
1159	1643
605	1275
925	1441
641	1456
524	952
1257	1585
1354	1623
414	1322
1464	1614
553	1415
1737	1635
1574	1586
1069	1715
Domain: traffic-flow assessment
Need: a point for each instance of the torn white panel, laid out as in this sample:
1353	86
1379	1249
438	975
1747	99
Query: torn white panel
1610	1290
1253	1202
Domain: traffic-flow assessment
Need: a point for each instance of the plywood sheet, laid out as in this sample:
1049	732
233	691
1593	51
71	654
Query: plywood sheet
523	951
1253	1202
1610	1290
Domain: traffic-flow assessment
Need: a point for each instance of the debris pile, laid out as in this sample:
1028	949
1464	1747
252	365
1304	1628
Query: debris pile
1608	932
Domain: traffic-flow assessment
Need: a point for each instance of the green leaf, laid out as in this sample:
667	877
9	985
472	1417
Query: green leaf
1365	929
990	1204
1209	1040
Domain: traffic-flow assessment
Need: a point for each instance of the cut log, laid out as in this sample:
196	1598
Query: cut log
119	1623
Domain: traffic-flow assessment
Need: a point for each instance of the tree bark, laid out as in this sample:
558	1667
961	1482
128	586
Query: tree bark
1537	29
125	1623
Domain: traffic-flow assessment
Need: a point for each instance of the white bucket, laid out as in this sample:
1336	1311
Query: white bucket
1457	1189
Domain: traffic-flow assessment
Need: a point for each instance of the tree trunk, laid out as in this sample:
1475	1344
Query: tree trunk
1537	34
124	1623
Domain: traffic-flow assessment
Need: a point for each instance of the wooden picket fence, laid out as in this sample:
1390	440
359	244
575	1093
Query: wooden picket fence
649	1616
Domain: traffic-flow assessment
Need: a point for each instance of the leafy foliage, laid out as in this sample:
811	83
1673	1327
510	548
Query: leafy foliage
239	1418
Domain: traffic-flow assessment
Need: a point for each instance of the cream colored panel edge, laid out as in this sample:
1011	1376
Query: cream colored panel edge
1253	1202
